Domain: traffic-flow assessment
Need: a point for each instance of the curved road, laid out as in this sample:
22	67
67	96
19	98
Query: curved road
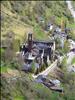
70	7
47	70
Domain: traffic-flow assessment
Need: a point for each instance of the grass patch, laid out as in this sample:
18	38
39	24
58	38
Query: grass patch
20	98
73	60
45	93
3	69
39	33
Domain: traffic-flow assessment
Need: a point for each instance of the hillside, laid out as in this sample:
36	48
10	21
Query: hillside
73	3
24	88
20	18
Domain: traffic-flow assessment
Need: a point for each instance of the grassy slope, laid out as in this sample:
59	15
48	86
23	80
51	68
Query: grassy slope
73	3
28	89
9	23
72	25
11	20
20	16
25	88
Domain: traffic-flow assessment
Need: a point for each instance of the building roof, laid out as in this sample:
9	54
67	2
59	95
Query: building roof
42	41
42	46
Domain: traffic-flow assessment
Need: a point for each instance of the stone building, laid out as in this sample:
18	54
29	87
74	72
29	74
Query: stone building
40	52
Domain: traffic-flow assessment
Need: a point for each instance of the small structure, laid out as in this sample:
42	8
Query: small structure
51	84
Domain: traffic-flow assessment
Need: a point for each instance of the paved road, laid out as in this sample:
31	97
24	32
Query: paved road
70	7
48	70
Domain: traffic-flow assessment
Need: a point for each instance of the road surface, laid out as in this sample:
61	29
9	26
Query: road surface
70	7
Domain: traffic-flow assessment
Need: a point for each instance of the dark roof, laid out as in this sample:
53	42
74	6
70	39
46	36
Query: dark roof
42	46
42	41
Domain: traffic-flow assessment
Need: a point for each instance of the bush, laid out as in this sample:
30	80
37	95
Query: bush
33	67
66	47
64	63
73	61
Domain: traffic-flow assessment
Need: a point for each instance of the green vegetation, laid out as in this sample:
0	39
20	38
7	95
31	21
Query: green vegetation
39	33
33	67
66	47
4	69
64	63
19	18
73	3
19	98
25	88
45	94
72	28
69	86
73	61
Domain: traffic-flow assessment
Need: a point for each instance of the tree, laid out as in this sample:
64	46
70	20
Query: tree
9	51
64	63
66	47
33	67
